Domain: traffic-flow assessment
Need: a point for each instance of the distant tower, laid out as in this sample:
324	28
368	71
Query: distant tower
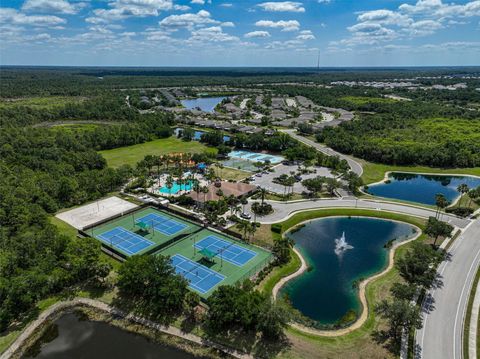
318	61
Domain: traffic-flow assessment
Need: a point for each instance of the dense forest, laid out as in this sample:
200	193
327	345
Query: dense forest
437	142
48	81
41	171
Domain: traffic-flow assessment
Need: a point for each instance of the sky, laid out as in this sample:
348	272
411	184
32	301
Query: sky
240	33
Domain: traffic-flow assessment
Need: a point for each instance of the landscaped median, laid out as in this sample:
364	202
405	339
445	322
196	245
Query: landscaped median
372	290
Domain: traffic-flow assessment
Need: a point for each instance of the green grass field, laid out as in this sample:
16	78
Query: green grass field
359	100
374	172
233	273
130	155
128	222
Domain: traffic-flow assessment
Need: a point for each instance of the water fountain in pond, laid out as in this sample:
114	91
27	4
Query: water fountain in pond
341	245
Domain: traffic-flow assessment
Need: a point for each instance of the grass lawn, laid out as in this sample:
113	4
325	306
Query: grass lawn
374	172
359	343
359	100
231	174
130	155
466	201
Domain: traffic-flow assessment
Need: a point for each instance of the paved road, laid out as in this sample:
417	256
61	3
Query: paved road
442	332
354	165
283	210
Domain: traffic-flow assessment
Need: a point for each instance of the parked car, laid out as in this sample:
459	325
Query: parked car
258	175
246	215
298	178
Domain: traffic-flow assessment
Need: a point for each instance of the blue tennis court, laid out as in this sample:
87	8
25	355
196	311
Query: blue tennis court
228	251
200	277
129	242
165	225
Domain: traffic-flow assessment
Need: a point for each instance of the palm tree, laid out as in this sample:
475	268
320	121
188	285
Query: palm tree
263	193
204	191
462	188
441	203
196	187
243	226
252	228
169	184
473	194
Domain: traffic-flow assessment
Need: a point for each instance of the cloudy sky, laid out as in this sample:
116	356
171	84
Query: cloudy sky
239	33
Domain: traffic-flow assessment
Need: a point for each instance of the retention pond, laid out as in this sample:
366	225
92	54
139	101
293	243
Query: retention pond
340	252
71	336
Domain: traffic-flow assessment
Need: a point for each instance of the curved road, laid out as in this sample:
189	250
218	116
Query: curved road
445	307
354	165
283	210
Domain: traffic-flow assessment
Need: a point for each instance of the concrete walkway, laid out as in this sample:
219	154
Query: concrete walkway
472	335
284	210
18	346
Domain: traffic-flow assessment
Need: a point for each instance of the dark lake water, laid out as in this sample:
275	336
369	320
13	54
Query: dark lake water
74	338
199	134
421	188
326	292
206	104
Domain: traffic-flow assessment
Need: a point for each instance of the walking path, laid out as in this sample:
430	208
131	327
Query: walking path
472	335
284	210
354	165
18	346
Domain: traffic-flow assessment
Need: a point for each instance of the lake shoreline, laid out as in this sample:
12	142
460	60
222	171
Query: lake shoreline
361	287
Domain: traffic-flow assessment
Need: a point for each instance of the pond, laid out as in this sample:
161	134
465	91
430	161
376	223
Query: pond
198	134
206	104
72	337
339	251
421	188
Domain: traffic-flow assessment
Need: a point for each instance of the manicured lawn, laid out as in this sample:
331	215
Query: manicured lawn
359	343
231	174
130	155
374	172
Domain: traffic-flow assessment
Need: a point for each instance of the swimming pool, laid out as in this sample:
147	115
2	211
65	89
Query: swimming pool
176	188
255	156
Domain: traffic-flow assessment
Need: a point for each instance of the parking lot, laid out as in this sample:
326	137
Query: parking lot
266	180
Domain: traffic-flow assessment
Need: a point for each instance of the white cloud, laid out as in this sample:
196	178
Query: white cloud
227	24
385	17
285	25
424	27
189	20
283	6
198	2
181	7
51	6
257	34
305	35
12	16
122	9
437	9
211	34
226	4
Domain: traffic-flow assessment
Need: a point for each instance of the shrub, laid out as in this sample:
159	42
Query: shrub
276	228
